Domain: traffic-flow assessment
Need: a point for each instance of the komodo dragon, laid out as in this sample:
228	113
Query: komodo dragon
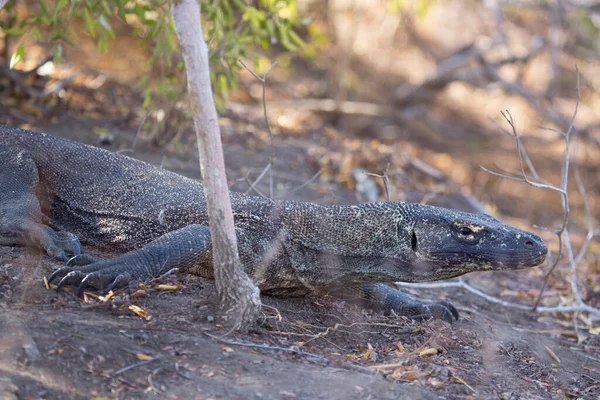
56	192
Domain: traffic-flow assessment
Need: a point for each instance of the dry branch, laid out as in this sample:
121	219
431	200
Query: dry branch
562	232
271	164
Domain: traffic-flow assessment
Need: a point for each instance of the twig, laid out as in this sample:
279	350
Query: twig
314	356
588	214
58	85
495	300
138	364
253	185
263	80
137	135
278	317
564	198
139	130
153	387
265	346
308	182
386	181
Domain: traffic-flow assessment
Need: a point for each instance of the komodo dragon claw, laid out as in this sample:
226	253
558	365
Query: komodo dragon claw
102	275
443	310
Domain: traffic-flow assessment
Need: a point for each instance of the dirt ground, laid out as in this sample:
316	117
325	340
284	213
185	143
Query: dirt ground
161	339
148	342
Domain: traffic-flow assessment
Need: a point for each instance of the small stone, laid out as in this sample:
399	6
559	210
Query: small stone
31	349
210	318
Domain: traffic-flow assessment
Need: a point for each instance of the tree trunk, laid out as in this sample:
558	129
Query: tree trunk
239	297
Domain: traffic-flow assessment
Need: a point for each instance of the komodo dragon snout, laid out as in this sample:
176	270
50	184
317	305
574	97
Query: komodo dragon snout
448	243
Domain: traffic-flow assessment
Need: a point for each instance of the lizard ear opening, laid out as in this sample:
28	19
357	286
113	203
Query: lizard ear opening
413	241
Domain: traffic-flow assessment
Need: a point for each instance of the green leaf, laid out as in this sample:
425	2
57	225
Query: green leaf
223	86
54	35
227	11
122	12
296	39
17	56
64	36
140	11
74	6
219	105
14	31
264	43
35	32
107	8
271	30
285	38
147	98
142	82
59	6
102	42
240	4
104	24
89	24
168	39
44	8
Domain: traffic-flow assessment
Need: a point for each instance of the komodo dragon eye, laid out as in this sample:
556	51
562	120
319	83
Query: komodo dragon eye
465	231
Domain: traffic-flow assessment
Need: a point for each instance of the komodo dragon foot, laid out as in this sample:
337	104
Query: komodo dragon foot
101	274
391	301
20	209
58	245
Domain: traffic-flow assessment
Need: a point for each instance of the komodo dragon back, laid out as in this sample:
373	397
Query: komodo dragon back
58	193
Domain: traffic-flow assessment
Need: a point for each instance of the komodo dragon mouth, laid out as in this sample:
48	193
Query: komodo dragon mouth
492	261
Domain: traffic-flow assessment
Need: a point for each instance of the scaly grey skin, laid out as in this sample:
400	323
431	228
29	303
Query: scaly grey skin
56	192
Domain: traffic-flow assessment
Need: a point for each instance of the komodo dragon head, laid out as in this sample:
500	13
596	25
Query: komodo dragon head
408	242
447	243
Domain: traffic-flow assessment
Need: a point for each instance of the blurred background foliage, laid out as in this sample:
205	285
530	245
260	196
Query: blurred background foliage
233	30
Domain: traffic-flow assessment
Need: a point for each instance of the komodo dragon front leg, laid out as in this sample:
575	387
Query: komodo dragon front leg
383	298
187	248
20	210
